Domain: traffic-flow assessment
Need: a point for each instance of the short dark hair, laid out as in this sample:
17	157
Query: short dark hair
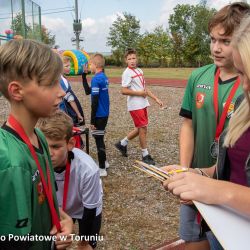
229	17
129	51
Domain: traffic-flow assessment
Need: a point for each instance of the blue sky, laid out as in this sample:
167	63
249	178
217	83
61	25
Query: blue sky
98	15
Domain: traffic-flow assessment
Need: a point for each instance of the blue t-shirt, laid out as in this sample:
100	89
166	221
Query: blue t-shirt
99	86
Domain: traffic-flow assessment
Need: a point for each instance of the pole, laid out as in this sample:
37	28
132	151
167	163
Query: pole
23	21
77	33
40	22
77	26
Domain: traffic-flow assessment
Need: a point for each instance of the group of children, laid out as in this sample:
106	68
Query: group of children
49	184
47	181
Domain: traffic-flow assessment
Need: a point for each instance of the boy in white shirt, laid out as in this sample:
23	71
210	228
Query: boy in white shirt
133	85
79	188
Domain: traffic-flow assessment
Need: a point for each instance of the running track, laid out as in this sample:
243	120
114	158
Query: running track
151	81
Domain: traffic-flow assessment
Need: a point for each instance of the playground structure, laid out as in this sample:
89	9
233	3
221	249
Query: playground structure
78	59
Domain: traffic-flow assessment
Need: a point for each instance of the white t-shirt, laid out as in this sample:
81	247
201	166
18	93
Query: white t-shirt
85	186
134	79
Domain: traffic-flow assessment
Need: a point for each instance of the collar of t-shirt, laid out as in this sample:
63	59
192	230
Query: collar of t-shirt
226	81
13	132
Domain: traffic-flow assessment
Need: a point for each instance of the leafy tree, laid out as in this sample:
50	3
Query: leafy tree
17	25
124	33
44	35
47	37
162	45
146	48
189	34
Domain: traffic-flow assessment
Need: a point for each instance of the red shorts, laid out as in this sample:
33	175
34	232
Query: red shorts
140	117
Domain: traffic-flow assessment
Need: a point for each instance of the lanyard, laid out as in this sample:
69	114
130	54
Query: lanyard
47	187
220	125
66	185
142	80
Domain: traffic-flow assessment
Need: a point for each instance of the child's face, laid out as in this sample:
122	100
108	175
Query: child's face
131	60
221	48
66	68
41	100
59	151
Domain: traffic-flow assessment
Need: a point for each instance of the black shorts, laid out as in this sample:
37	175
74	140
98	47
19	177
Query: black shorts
95	230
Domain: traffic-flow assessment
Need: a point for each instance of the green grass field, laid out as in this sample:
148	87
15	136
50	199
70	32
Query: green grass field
167	73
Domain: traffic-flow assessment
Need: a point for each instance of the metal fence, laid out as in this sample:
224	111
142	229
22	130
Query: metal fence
21	16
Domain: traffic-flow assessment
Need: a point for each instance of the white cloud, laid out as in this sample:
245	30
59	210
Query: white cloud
61	28
95	31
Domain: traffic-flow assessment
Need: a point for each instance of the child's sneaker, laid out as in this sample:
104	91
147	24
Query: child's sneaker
148	159
106	164
122	149
103	172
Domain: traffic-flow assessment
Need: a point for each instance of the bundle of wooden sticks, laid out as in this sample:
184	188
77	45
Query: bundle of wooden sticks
156	172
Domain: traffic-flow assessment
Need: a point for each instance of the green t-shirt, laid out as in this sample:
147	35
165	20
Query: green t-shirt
198	105
23	205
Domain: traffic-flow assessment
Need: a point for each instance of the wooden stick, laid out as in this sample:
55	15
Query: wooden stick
154	169
150	173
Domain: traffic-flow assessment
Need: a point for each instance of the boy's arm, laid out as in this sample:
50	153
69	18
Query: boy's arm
94	106
91	193
128	91
186	142
66	231
156	99
85	84
187	131
126	84
74	107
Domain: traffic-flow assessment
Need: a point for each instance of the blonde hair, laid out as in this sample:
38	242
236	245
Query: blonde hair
24	60
99	60
57	127
240	121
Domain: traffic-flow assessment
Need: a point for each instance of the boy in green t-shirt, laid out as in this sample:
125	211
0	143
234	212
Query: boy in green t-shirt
29	79
207	106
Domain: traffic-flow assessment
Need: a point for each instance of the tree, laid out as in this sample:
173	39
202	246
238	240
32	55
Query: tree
124	33
162	45
36	33
17	25
154	46
47	37
189	34
146	47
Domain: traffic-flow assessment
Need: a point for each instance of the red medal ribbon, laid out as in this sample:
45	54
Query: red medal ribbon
66	185
47	187
141	77
220	125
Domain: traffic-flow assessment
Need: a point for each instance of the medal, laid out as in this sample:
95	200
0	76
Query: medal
214	149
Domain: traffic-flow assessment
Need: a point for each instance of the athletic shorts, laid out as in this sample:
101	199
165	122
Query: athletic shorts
93	231
140	117
190	227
